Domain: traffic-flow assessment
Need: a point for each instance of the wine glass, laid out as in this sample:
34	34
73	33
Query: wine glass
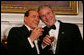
53	40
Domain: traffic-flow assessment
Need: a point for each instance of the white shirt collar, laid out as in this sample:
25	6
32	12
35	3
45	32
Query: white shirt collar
55	34
57	24
28	27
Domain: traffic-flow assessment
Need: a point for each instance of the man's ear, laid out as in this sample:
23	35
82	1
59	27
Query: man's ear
25	18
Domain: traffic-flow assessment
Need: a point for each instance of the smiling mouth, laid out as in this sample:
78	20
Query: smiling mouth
48	20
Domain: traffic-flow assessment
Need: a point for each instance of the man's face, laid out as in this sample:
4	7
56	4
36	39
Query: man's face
33	19
47	16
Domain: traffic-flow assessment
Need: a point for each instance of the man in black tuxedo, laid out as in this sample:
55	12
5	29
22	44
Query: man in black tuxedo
67	38
22	40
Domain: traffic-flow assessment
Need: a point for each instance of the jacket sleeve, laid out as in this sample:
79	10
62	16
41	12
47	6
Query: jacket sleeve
17	43
77	40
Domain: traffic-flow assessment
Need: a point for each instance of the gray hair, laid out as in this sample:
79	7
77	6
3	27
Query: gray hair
42	6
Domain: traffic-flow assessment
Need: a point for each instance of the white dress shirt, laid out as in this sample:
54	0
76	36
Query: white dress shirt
35	41
55	34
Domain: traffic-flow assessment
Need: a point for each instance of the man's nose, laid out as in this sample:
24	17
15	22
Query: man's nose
47	16
37	19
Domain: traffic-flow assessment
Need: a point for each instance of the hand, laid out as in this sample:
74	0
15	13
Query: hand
36	33
46	40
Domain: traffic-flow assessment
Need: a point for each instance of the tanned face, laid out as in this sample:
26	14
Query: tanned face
33	19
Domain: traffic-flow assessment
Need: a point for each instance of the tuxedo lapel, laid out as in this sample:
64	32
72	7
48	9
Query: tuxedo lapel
25	31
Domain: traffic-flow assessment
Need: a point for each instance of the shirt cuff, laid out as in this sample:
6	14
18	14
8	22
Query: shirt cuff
43	46
32	45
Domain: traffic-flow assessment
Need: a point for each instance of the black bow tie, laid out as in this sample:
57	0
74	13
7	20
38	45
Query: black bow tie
52	27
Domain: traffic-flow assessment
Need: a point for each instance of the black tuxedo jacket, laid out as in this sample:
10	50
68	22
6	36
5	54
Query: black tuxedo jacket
18	42
69	40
